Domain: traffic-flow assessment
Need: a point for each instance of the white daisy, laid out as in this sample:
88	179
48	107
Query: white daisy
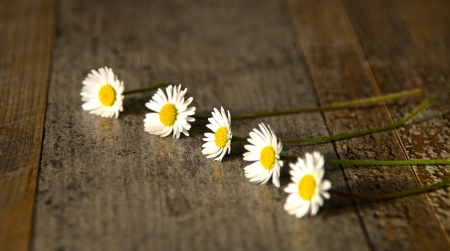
219	142
102	93
308	186
171	113
265	150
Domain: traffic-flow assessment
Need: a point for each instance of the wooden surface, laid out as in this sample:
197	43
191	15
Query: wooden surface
337	62
416	59
26	34
105	184
119	183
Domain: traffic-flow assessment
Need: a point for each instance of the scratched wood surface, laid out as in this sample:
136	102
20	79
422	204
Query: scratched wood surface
105	184
26	33
340	70
409	49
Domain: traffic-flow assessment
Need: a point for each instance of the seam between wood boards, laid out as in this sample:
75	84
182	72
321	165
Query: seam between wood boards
48	66
310	70
351	34
27	36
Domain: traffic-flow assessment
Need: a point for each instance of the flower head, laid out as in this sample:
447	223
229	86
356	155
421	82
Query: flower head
102	93
308	188
218	142
265	151
171	113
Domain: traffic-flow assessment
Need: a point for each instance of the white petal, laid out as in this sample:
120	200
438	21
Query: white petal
325	185
302	211
250	156
291	188
325	195
276	178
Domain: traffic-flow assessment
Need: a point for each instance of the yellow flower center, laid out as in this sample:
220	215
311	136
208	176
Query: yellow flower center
168	114
268	157
221	137
307	187
107	95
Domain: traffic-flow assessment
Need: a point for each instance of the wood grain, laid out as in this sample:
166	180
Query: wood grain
408	49
26	33
339	70
105	184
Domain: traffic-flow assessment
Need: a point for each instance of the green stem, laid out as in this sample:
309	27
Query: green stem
330	107
359	133
377	162
153	87
397	195
388	162
235	139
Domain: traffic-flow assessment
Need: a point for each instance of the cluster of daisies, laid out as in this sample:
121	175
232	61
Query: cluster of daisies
102	94
308	188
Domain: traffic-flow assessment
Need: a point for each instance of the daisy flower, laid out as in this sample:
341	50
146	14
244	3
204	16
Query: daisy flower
218	143
265	151
308	186
171	113
102	93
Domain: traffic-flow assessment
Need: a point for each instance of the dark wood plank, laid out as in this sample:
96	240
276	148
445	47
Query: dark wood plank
406	46
26	33
105	184
339	71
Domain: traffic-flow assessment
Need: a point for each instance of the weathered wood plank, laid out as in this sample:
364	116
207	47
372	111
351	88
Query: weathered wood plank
105	184
339	70
26	33
406	46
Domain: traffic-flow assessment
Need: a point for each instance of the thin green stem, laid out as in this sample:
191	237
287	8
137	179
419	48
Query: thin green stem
397	195
388	162
359	133
401	194
235	139
377	162
330	107
351	134
150	88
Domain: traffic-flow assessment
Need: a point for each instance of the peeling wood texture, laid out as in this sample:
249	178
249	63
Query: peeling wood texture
105	184
26	33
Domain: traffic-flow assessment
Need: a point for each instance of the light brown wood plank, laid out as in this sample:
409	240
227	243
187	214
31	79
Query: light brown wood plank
26	33
407	47
105	184
339	71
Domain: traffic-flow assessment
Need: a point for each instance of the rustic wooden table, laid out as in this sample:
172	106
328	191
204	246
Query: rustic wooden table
74	181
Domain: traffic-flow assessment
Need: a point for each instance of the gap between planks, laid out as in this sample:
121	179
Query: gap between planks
361	58
27	30
352	37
